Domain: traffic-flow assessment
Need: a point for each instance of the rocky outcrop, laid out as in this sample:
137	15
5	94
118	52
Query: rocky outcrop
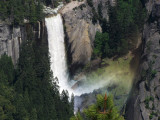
50	11
80	32
12	37
144	102
103	6
10	40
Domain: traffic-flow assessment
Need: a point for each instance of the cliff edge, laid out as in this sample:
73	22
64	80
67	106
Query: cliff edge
144	102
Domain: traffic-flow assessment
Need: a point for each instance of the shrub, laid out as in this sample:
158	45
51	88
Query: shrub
153	73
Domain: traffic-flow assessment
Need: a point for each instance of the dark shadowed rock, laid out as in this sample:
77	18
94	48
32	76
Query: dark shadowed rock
144	99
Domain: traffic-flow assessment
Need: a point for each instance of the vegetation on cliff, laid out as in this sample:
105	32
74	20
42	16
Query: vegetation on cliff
30	92
19	11
126	19
101	44
103	109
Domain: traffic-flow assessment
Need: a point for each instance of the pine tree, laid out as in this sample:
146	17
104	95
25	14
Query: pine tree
39	11
77	117
7	67
33	115
104	109
33	18
72	102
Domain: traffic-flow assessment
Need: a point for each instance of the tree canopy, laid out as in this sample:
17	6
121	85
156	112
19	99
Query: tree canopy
126	19
29	91
17	11
103	109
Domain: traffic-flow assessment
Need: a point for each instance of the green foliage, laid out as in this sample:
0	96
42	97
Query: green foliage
153	114
147	100
30	92
124	15
101	47
7	109
35	82
123	47
18	10
124	23
77	117
95	112
153	73
125	20
7	68
150	116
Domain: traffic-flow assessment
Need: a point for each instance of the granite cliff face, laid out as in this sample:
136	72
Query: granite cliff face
144	102
12	37
10	40
80	30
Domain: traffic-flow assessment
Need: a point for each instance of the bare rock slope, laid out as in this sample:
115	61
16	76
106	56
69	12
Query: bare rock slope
80	32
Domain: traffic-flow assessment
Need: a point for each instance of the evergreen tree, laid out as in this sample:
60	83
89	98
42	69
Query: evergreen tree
125	20
77	117
32	18
66	106
39	11
3	9
101	47
104	109
7	67
7	109
18	10
34	81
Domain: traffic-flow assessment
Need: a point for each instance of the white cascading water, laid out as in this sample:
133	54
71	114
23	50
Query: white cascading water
59	62
57	51
59	65
58	57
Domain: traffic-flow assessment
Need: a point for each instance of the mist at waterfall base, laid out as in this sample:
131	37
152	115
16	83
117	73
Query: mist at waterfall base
58	57
118	72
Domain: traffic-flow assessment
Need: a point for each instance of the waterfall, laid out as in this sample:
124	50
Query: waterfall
114	74
58	60
57	51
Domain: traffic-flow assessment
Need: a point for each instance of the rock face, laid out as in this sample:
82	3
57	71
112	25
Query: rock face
12	37
80	33
10	40
49	11
103	6
144	103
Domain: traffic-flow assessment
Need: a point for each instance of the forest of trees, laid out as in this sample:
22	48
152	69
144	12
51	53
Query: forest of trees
18	10
126	19
29	92
103	109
